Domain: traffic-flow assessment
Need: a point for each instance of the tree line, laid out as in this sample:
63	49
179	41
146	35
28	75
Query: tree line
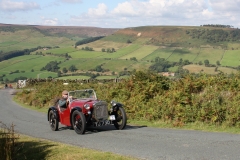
217	25
87	40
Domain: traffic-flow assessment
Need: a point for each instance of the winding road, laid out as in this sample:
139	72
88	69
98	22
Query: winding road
141	142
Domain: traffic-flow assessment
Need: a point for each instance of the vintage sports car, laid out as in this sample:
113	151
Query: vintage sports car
85	110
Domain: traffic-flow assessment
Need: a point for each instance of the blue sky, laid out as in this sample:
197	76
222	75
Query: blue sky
120	13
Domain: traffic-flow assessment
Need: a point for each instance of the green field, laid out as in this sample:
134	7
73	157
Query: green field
231	58
121	52
73	77
184	54
100	44
211	54
37	74
86	54
26	39
31	63
209	70
160	52
141	52
58	50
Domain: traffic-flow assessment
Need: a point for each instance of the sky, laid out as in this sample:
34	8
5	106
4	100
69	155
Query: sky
120	13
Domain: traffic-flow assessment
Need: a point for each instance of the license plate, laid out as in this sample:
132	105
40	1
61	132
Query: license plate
112	117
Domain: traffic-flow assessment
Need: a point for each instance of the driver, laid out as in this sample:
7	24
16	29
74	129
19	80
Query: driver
62	103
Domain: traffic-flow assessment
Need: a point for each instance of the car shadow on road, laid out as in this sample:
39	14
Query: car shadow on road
92	130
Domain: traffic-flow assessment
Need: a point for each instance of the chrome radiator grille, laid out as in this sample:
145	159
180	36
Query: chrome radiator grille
100	110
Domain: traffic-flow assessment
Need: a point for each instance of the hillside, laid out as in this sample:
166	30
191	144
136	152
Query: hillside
159	48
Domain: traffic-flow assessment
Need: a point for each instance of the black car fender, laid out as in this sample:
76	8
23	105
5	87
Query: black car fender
117	106
74	109
55	111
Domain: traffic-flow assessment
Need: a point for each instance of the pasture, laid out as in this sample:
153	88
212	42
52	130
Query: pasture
61	50
86	54
31	63
28	74
26	39
184	54
73	77
141	52
231	58
208	70
100	44
211	54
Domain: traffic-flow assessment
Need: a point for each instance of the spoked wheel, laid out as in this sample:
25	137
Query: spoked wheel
121	119
79	122
53	121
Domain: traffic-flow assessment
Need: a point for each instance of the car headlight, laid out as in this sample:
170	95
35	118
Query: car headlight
86	106
113	103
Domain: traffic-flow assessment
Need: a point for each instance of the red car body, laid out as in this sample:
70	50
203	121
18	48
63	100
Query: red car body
85	110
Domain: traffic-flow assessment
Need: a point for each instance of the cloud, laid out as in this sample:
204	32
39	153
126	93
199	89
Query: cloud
162	12
8	5
101	10
49	21
71	1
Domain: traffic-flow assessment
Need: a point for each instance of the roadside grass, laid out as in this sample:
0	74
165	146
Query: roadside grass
141	52
231	58
35	148
191	126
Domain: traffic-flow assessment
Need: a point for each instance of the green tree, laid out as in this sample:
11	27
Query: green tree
206	62
72	68
64	70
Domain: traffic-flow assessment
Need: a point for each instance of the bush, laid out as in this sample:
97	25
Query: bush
8	142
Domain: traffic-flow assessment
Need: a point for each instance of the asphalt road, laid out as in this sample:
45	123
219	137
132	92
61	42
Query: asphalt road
142	142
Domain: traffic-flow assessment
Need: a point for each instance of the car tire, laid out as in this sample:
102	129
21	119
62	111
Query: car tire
78	122
53	120
121	119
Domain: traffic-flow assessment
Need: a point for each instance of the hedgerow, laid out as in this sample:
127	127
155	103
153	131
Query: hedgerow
147	96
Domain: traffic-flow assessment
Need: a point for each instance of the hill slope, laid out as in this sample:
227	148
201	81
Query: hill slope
121	50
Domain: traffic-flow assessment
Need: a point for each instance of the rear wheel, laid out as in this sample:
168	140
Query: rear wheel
53	121
79	122
121	119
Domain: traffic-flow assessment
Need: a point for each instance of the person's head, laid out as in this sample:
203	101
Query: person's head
65	94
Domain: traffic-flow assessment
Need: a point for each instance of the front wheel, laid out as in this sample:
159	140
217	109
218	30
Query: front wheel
121	119
79	122
53	121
